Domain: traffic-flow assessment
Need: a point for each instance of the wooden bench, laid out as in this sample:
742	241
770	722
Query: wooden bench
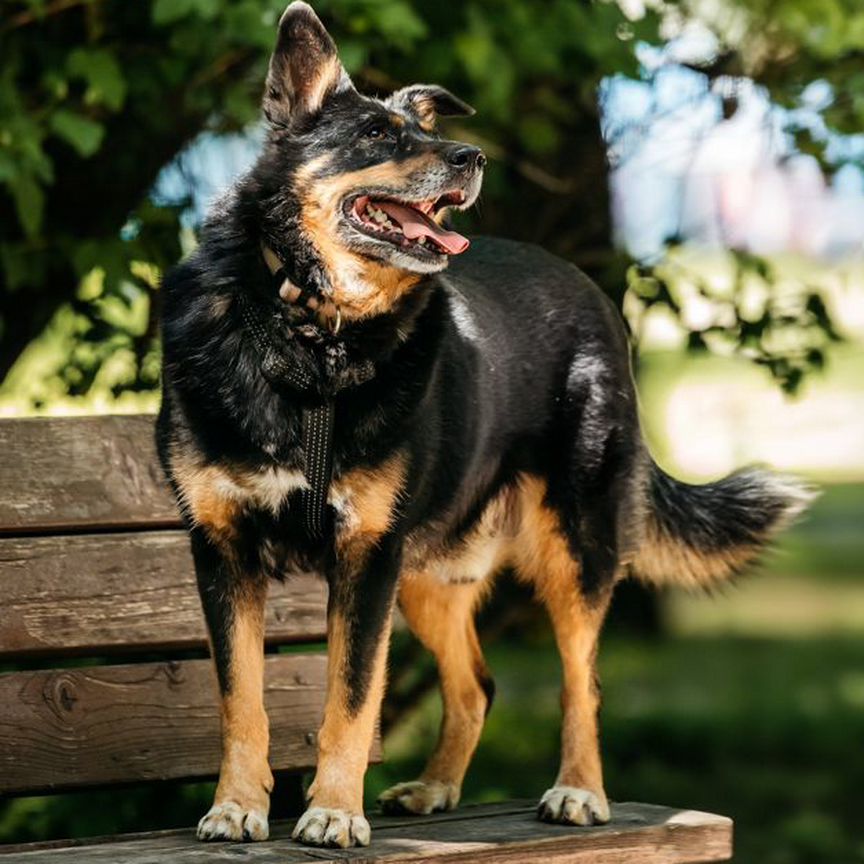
95	566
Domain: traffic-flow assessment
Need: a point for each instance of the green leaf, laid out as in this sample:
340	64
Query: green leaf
353	54
168	11
8	167
29	202
207	9
106	84
539	135
398	23
20	266
247	25
83	134
237	105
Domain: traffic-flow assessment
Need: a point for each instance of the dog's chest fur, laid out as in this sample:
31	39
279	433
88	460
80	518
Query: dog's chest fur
366	502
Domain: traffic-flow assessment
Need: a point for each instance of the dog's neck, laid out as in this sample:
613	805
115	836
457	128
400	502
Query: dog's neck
360	287
310	300
301	337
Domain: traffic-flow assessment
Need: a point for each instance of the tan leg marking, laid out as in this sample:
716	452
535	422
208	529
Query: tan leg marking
544	559
441	615
367	499
209	507
242	799
335	816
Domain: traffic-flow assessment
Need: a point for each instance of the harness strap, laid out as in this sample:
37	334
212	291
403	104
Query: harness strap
318	420
318	448
273	365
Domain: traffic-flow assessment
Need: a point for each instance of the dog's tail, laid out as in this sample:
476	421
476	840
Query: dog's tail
698	536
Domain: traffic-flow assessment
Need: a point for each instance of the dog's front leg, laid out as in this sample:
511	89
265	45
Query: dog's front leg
233	604
358	632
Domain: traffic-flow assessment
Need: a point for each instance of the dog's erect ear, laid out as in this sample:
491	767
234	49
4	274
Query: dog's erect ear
304	69
428	101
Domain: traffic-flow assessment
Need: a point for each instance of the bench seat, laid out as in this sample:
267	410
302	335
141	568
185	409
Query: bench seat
106	681
492	833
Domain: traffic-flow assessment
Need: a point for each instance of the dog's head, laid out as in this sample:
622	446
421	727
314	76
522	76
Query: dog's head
366	182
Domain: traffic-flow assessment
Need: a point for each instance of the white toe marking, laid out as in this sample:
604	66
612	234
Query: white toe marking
419	796
361	830
229	821
321	826
573	806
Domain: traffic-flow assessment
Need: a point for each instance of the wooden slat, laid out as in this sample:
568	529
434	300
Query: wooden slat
489	834
75	473
152	721
101	592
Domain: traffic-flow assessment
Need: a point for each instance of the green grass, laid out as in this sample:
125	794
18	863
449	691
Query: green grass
828	540
765	731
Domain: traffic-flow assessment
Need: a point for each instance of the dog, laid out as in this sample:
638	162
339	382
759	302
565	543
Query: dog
349	389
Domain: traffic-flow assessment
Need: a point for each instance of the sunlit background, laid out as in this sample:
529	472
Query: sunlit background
704	157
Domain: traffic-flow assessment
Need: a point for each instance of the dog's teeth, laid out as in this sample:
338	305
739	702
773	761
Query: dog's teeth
422	241
379	216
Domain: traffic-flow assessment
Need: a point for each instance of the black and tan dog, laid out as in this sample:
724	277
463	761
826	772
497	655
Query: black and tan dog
333	400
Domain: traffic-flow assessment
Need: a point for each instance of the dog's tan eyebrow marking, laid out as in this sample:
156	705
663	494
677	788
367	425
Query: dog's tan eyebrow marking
397	120
312	169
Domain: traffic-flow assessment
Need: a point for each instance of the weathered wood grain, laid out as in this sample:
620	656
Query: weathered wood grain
491	834
150	721
81	472
103	592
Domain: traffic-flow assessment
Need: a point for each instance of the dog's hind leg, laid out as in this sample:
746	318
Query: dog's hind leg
234	609
441	615
544	559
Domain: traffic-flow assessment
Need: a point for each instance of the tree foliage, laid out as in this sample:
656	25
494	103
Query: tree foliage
780	324
96	96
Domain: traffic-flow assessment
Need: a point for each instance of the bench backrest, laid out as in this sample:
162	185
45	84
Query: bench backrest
103	669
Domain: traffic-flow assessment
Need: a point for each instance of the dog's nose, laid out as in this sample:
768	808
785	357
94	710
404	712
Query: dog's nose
464	156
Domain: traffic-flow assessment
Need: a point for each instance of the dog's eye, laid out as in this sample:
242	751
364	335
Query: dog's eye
377	131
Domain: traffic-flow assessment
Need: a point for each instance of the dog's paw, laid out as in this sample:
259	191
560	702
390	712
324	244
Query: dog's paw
320	826
419	796
571	806
230	821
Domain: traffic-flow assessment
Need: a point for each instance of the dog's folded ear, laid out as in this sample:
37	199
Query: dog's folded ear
304	69
428	101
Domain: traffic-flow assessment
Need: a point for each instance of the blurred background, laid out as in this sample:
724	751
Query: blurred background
702	160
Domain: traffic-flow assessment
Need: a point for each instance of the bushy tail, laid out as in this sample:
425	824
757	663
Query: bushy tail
697	536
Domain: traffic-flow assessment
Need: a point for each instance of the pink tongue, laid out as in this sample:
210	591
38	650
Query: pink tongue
416	224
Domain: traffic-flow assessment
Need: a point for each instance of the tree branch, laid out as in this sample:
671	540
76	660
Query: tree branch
35	16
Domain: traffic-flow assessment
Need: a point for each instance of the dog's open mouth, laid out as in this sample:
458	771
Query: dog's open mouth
408	224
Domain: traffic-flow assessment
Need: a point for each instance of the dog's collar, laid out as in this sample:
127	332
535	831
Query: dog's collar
321	308
329	366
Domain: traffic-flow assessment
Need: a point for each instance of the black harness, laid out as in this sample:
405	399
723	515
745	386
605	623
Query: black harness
284	368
